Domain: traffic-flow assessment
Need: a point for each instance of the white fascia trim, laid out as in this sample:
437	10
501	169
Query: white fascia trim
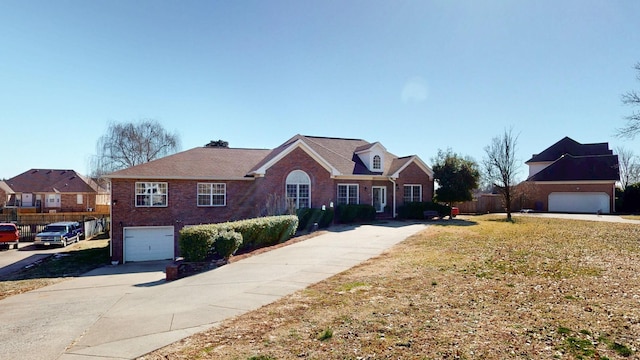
374	145
419	162
302	145
361	177
163	178
574	182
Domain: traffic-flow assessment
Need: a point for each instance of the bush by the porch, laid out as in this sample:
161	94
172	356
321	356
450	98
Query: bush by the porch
355	213
415	210
307	217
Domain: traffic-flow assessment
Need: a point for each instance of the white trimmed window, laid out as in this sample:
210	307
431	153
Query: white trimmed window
53	200
348	194
151	194
412	193
212	194
377	162
298	189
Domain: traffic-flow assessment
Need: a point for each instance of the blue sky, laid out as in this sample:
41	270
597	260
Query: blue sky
417	76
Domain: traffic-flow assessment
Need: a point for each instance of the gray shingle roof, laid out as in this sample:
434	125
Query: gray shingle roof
46	180
231	163
572	147
580	168
198	163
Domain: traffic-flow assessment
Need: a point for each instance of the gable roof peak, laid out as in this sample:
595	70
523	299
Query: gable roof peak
567	145
329	138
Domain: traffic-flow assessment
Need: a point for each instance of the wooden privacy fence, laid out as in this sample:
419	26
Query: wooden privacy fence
485	203
47	218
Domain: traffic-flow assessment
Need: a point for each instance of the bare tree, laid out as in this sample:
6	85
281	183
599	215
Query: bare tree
633	121
501	166
629	167
129	144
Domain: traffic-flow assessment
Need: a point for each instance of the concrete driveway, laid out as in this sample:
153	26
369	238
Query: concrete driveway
586	217
12	260
125	311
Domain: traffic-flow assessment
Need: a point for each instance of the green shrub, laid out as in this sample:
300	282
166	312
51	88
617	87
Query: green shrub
258	232
226	243
415	210
355	213
309	216
195	243
631	198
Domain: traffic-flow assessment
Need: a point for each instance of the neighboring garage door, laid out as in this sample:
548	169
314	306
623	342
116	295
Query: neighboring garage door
148	243
588	202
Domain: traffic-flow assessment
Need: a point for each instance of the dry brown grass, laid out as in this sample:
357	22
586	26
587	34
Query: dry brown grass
533	289
81	257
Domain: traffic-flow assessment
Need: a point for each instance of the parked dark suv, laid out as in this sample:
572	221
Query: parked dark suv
60	233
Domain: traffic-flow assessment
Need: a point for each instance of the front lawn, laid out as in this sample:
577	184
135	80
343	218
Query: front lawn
474	288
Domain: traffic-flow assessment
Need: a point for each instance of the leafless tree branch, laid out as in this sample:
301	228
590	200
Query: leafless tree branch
501	166
632	98
129	144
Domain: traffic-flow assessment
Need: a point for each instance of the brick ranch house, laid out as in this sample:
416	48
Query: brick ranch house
152	202
572	177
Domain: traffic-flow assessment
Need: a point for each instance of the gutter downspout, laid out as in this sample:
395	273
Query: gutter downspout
393	189
614	198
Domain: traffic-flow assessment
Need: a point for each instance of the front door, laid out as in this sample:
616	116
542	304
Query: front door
379	198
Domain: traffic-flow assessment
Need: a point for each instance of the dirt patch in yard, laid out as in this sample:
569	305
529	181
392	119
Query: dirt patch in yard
533	289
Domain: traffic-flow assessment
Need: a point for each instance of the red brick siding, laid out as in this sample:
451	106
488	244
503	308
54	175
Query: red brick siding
182	208
540	193
413	175
69	202
322	184
245	198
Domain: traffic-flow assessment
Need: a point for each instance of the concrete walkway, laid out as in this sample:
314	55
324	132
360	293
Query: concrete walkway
126	311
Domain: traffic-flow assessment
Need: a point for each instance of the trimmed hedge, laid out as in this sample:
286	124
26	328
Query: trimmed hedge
355	213
309	216
226	243
195	243
415	210
256	233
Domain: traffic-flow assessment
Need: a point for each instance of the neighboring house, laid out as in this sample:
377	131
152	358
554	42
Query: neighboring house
45	190
151	202
5	190
573	177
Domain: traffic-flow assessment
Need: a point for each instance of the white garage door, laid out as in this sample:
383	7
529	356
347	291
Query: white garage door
148	243
579	202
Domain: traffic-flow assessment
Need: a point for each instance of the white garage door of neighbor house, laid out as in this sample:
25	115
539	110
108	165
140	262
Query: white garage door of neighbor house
148	243
587	202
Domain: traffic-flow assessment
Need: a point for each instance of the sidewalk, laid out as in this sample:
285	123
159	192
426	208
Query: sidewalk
126	311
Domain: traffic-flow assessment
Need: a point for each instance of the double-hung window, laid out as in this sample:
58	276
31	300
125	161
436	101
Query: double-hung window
212	194
412	193
347	194
151	194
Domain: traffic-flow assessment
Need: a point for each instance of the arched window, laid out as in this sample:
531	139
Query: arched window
299	189
377	162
